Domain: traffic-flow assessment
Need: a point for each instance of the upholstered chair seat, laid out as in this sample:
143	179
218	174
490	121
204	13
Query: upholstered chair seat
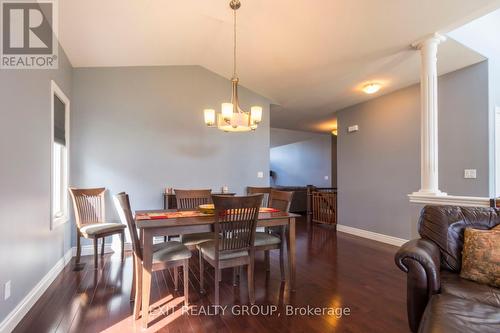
191	240
208	249
171	251
264	238
99	228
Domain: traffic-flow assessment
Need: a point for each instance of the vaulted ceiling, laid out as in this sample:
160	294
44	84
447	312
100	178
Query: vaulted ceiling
308	56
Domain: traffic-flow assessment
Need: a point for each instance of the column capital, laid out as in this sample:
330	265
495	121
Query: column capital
434	38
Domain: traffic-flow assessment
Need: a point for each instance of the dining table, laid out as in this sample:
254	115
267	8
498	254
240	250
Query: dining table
171	222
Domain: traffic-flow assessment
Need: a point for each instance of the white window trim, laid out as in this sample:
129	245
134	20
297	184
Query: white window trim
496	173
55	90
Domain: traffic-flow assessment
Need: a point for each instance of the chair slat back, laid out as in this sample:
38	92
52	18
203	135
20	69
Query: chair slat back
235	222
88	205
122	204
191	199
266	191
281	200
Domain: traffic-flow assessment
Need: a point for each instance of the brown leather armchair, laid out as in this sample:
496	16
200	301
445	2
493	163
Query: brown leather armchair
438	300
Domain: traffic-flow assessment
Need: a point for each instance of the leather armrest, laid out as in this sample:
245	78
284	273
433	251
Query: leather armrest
427	254
420	259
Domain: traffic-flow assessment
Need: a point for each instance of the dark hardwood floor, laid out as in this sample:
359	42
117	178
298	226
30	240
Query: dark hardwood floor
333	270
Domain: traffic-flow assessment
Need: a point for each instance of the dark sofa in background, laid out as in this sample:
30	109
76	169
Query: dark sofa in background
438	299
299	201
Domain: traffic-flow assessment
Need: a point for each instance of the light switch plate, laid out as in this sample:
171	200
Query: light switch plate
6	293
326	177
353	128
470	173
260	174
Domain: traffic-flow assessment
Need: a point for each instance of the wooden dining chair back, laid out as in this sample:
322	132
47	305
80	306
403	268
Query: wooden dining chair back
122	204
235	222
191	199
265	191
89	205
233	246
90	218
281	200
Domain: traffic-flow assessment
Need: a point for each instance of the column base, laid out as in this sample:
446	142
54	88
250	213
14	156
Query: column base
425	193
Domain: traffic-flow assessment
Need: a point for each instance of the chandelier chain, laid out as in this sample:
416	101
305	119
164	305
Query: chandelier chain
234	44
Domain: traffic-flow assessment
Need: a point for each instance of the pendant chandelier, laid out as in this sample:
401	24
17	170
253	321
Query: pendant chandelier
232	118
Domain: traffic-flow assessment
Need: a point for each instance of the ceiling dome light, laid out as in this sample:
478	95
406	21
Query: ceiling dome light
371	88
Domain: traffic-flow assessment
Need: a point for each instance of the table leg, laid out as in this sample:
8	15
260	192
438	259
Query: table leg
291	252
137	287
146	275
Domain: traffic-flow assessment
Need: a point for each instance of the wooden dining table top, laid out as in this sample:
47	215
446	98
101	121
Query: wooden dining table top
200	220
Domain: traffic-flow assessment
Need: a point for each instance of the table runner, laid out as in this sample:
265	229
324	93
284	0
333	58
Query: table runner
187	213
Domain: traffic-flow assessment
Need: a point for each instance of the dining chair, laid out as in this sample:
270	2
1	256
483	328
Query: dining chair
166	255
90	212
235	224
191	199
266	191
274	238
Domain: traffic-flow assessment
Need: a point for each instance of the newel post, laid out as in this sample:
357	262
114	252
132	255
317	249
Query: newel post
309	212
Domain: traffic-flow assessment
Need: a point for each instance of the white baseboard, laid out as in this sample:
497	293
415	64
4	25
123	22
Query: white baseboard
371	235
15	316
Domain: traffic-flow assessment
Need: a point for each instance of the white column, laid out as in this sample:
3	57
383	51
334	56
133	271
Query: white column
429	116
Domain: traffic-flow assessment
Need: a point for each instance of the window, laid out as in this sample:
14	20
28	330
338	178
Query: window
60	155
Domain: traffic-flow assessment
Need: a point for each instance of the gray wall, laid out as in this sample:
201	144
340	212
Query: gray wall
140	129
28	248
463	131
379	165
300	158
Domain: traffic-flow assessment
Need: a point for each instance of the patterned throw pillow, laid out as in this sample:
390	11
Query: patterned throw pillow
481	256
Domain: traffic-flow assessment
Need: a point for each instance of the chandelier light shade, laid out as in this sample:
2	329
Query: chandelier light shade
256	114
232	118
227	111
209	117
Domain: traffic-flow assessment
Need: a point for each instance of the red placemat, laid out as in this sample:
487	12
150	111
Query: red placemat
186	213
170	215
268	210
